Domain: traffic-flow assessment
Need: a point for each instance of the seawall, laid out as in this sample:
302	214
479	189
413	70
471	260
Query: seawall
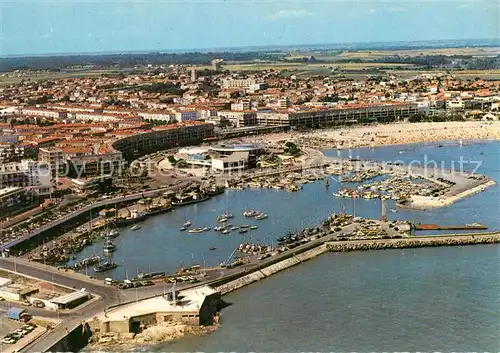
269	270
74	340
412	242
241	280
419	202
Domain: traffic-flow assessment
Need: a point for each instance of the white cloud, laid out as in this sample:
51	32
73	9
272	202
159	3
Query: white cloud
284	14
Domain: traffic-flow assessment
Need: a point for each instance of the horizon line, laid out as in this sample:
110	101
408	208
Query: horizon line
494	42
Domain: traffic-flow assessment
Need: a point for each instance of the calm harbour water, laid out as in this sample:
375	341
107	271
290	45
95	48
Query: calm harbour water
160	246
440	299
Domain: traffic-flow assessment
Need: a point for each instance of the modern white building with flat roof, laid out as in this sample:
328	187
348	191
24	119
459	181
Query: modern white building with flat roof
196	306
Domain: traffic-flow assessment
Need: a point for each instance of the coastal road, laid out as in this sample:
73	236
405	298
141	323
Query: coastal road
65	218
58	277
108	295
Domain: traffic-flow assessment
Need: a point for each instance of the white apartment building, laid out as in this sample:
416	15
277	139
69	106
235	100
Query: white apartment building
187	115
42	113
206	114
237	83
100	117
157	116
34	175
242	105
284	102
455	104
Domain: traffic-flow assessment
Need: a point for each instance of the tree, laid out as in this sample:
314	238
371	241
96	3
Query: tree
291	149
415	118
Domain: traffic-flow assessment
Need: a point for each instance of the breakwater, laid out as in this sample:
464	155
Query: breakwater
422	202
268	270
260	272
413	242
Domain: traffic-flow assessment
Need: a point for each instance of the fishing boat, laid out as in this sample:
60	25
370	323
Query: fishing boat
212	248
261	216
106	266
109	247
250	213
243	230
184	202
195	230
221	219
244	226
187	224
227	215
135	227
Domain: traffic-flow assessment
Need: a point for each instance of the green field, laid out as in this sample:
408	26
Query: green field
12	78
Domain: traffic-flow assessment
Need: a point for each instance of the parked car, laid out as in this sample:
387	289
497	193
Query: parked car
17	335
9	340
38	304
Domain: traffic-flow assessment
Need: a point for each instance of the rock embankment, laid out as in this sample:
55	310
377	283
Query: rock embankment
413	242
161	333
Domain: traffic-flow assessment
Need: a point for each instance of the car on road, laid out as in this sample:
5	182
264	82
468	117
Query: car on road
17	335
38	304
28	327
263	256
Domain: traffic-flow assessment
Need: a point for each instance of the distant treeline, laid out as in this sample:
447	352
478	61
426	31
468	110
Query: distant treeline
437	61
126	60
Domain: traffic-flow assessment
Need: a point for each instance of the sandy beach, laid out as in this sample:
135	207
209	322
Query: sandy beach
392	134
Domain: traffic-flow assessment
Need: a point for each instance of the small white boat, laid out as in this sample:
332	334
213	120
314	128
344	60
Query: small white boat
135	227
195	230
221	219
182	228
205	229
226	231
187	224
253	227
250	213
113	233
261	216
227	215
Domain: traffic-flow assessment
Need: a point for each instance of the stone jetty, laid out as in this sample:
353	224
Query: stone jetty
413	242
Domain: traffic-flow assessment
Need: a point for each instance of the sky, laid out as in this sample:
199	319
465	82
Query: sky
80	26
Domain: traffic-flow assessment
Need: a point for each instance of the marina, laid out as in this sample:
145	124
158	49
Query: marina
248	253
246	204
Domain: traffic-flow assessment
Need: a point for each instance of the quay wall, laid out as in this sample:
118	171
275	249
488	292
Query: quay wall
74	340
412	242
244	278
418	202
267	271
